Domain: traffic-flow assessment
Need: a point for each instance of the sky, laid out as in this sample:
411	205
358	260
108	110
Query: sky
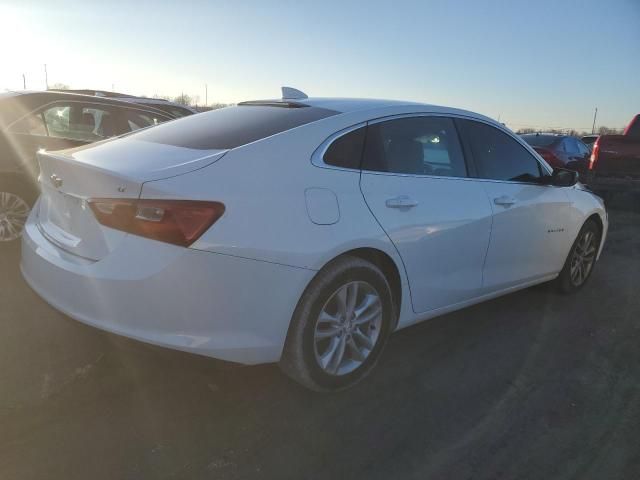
534	63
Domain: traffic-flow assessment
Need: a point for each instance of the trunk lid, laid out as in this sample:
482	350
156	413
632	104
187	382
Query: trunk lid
619	157
115	169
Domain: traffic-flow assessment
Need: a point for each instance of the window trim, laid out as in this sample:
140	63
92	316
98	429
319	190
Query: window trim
317	158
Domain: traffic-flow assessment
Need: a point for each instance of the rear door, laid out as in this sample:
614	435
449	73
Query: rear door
530	237
415	181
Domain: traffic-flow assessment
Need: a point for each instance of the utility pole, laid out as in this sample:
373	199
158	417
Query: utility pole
46	77
593	128
206	99
24	82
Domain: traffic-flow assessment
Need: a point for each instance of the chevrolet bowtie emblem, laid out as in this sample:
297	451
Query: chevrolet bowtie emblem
56	181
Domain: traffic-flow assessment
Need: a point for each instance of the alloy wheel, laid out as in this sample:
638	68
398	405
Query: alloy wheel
348	328
583	258
13	215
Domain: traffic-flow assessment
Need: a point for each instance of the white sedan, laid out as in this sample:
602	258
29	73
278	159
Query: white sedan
303	230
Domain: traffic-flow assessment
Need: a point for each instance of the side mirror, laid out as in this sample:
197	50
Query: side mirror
562	177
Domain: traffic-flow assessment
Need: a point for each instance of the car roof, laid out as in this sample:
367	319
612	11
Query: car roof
350	105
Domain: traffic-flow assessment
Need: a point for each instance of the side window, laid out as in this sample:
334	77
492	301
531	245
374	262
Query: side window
415	145
138	120
32	124
346	151
86	123
497	155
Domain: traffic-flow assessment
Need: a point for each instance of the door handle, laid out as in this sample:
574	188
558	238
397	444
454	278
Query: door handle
504	200
403	201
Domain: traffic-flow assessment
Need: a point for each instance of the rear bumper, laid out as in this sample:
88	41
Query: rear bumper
612	184
231	308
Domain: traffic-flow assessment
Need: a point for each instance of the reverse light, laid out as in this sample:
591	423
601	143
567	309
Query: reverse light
180	222
595	152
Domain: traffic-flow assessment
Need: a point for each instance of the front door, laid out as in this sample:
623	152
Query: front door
530	235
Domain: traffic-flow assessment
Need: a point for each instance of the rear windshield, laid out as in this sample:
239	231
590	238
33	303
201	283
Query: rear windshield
540	140
231	127
634	128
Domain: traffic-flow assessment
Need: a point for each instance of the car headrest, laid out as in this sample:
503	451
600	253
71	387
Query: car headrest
89	120
405	155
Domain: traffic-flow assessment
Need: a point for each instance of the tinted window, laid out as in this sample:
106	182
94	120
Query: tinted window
634	129
538	140
346	151
497	155
232	126
416	145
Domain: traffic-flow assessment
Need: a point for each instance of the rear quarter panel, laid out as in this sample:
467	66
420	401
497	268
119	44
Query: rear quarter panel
263	188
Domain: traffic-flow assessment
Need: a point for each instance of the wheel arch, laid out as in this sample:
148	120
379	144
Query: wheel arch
389	267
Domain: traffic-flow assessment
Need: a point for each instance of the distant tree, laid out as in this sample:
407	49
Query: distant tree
185	99
604	130
215	106
59	86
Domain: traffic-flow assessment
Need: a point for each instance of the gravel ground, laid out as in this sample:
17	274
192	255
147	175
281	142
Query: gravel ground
534	385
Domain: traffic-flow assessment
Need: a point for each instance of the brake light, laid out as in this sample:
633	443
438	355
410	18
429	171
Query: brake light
549	157
595	152
180	222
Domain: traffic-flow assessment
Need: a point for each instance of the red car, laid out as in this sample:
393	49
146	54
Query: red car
561	151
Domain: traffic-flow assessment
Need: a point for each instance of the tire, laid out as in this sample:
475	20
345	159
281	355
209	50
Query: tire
569	281
307	357
17	197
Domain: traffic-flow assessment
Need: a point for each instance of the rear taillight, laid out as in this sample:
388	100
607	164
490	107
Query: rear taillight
549	157
594	154
180	222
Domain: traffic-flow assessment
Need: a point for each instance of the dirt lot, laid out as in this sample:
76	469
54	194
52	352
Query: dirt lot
533	385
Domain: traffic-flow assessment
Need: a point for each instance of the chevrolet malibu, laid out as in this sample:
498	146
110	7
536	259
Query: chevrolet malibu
303	230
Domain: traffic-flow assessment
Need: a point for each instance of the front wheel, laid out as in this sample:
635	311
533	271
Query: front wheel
16	200
340	326
581	260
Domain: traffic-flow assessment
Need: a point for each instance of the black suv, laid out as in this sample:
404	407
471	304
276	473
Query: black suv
30	121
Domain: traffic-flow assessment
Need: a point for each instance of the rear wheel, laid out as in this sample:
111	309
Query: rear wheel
581	260
16	200
340	326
